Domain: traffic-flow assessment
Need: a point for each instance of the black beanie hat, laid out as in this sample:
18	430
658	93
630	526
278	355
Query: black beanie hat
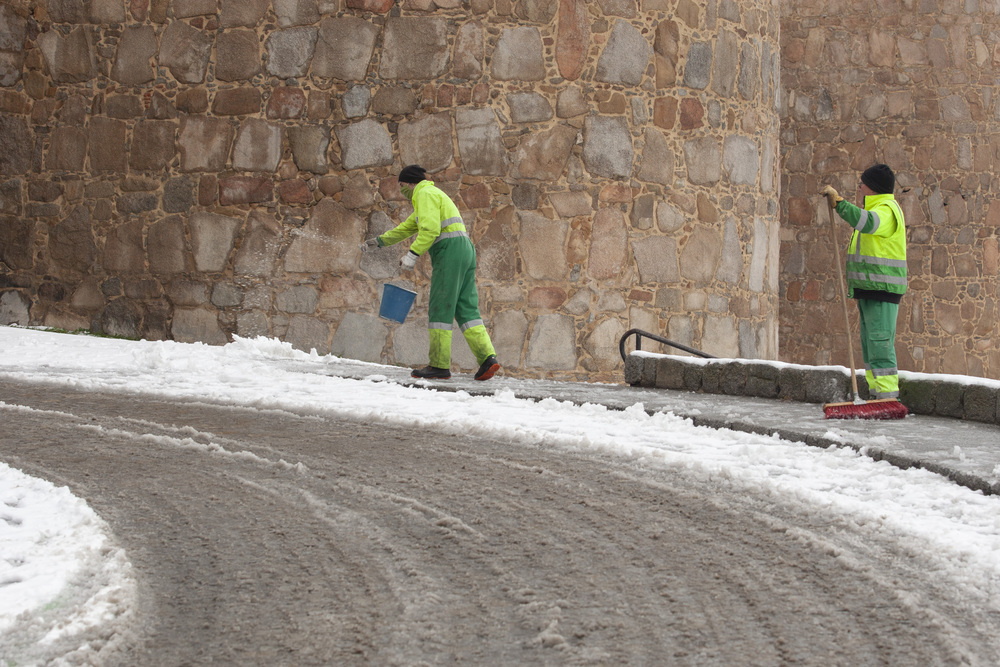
880	179
412	174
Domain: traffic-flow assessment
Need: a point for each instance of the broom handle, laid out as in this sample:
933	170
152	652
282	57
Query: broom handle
843	297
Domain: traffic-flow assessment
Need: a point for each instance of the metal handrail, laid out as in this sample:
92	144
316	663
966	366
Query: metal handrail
639	333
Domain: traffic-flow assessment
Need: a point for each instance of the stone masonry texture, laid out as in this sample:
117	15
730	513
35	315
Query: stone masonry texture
195	169
913	85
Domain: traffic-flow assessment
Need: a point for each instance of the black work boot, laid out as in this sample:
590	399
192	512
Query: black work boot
488	368
431	373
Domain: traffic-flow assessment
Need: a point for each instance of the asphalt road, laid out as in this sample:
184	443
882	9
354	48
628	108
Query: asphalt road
273	538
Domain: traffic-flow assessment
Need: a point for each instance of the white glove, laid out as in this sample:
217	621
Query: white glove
370	244
409	260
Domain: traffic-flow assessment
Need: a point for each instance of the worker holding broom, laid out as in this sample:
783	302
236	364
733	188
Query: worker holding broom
876	272
441	233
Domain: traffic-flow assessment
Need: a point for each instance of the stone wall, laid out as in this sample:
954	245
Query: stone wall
192	169
915	86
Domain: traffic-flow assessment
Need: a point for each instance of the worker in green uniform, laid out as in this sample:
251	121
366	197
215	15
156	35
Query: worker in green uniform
441	233
876	271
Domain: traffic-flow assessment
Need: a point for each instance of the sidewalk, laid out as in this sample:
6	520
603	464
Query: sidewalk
966	452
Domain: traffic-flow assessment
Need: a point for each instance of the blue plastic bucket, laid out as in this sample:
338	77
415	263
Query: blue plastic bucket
396	302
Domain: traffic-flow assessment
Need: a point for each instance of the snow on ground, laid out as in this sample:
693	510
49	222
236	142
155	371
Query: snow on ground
47	535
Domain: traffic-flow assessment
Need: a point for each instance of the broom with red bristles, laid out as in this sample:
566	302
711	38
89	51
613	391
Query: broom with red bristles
880	408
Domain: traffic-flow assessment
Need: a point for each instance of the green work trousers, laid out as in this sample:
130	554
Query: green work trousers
454	298
878	346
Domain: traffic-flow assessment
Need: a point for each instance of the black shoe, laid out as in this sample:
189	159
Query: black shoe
431	373
488	368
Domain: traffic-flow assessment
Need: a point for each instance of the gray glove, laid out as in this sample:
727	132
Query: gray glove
370	244
409	260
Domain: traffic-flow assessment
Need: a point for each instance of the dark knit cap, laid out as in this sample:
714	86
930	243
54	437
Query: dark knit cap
880	179
412	174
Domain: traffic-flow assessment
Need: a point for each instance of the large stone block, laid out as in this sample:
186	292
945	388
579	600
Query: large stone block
71	243
107	11
497	247
364	144
136	49
344	48
258	146
123	249
17	242
748	83
410	343
15	308
699	259
236	190
518	55
741	158
720	337
529	108
543	246
69	58
122	317
698	66
290	51
414	48
309	144
573	40
212	239
543	155
703	158
467	62
251	324
166	251
242	13
13	29
298	299
204	143
237	55
185	51
657	161
731	260
726	64
607	147
656	259
328	242
67	149
625	57
258	253
242	101
508	330
197	325
608	244
394	101
427	141
360	337
296	12
11	66
106	144
602	344
480	145
152	145
552	344
15	146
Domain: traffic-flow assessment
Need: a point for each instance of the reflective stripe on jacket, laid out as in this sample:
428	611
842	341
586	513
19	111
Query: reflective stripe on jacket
876	257
434	216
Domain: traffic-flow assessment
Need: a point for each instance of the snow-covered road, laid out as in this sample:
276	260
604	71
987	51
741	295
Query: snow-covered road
604	535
